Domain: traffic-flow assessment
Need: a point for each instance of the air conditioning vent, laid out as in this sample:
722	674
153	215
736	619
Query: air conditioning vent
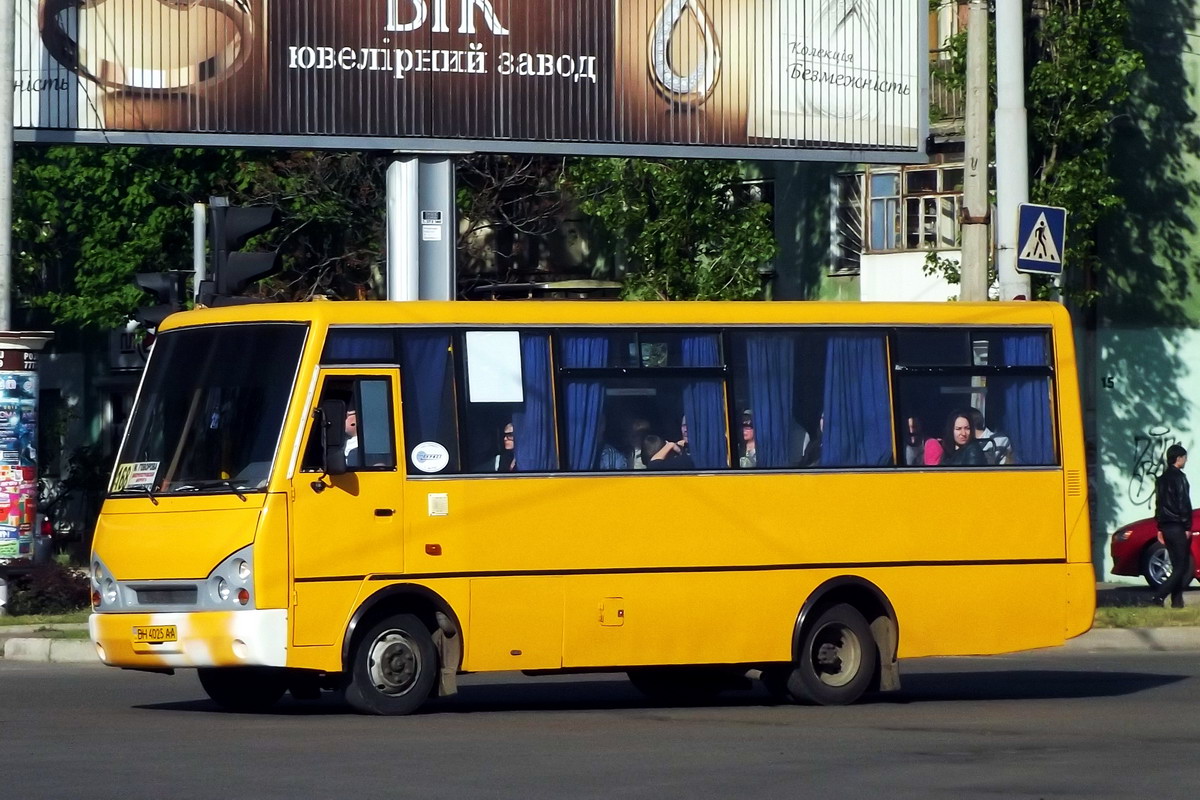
1075	483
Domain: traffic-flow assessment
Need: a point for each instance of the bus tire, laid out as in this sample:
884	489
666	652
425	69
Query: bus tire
244	689
393	667
835	663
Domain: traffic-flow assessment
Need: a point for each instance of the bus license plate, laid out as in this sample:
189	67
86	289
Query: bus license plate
155	634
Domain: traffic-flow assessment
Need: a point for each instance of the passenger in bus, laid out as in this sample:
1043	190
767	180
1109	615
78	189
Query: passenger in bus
997	448
505	460
749	447
933	452
666	455
637	430
799	445
914	442
812	452
610	457
960	445
353	458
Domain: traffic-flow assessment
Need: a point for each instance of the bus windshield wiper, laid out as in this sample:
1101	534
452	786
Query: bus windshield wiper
149	492
235	490
208	486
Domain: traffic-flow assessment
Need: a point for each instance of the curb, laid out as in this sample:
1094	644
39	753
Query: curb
57	651
1136	639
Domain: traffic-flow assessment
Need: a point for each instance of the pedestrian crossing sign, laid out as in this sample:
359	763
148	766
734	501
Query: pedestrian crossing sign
1041	238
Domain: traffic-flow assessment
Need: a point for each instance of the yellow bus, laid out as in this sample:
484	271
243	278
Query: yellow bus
374	498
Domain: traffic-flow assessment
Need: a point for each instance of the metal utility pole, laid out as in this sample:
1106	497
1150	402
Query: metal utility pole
975	213
421	232
1012	146
7	56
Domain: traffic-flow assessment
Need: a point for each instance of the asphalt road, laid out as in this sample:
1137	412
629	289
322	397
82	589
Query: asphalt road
1051	724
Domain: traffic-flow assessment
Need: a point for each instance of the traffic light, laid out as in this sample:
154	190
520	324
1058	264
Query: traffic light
168	290
230	227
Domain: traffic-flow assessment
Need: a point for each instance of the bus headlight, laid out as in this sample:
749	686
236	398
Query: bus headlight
232	582
106	592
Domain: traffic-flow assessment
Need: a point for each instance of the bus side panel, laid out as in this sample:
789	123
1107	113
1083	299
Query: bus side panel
322	610
516	623
683	618
976	610
271	554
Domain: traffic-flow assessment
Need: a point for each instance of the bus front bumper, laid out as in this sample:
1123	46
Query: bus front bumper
191	639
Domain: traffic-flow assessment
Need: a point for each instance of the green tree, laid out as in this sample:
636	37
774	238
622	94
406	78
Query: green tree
85	219
688	230
1077	75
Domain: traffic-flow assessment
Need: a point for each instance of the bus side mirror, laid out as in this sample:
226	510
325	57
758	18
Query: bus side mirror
331	416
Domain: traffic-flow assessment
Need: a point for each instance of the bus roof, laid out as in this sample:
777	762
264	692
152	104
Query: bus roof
643	313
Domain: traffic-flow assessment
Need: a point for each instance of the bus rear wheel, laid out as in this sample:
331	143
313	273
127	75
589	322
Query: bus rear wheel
246	689
394	667
836	661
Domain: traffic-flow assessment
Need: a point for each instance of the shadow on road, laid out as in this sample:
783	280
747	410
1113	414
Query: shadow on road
618	695
1028	685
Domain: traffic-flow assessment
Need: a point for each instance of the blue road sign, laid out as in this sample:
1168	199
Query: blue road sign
1041	238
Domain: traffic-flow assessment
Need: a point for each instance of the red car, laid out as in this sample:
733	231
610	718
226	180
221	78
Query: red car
1137	551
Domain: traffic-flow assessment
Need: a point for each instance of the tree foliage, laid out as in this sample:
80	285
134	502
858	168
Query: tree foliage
1078	82
1077	77
688	230
85	219
333	209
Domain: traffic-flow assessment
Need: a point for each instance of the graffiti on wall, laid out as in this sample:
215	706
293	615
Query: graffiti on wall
1150	453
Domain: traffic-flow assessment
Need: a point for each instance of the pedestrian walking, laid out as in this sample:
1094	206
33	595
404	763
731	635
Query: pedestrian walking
1173	514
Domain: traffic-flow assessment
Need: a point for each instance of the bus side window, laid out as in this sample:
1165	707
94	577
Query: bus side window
809	398
995	383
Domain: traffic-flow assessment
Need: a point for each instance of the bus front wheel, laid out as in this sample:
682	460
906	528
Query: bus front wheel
835	663
243	688
394	667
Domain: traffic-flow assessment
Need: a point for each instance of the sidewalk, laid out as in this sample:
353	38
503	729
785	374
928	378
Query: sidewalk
38	643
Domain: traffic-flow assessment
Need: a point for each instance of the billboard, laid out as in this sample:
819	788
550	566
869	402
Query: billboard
795	79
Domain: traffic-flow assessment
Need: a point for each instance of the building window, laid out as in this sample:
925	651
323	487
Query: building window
846	225
913	208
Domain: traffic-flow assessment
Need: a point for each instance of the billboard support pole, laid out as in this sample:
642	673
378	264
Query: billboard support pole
439	228
975	212
1012	146
403	232
199	256
7	82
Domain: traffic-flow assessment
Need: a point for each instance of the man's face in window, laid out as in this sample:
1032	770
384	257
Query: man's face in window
351	423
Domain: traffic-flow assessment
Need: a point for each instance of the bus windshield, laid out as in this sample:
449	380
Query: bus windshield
211	408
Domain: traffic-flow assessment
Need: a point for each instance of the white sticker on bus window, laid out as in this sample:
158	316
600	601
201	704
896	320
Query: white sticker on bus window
138	475
439	505
494	367
430	457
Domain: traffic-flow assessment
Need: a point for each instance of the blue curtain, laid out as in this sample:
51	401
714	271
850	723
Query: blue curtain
704	404
359	345
1026	417
583	399
426	359
858	429
533	425
770	362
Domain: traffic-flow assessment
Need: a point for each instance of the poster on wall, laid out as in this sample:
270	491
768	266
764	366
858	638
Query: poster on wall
758	78
18	461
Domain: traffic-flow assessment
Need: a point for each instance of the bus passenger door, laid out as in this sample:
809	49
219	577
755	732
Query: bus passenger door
345	527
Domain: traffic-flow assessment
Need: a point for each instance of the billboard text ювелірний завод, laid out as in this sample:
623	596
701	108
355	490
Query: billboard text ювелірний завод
737	78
